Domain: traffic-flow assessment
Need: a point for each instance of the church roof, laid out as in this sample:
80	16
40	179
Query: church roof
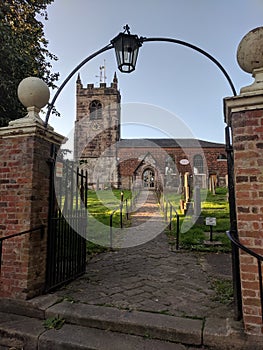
170	143
127	166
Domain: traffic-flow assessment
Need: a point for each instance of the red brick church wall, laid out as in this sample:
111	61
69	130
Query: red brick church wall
129	160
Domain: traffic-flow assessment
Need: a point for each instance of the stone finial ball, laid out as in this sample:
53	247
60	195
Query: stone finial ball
33	92
250	50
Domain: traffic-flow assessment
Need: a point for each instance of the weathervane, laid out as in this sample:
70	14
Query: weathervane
127	29
102	75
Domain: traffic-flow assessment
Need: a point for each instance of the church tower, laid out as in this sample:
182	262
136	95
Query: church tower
97	131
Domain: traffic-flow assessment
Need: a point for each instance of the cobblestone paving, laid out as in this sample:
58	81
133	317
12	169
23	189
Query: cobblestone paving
151	277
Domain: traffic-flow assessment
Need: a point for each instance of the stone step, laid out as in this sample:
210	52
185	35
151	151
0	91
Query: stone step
20	332
107	328
145	324
27	308
73	337
217	334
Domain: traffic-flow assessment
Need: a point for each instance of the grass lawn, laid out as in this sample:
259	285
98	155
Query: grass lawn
101	204
194	238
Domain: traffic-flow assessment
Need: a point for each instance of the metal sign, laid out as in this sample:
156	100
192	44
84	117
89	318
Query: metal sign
210	221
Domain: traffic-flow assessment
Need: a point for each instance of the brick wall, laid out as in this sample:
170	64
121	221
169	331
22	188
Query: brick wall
248	157
24	195
129	157
244	114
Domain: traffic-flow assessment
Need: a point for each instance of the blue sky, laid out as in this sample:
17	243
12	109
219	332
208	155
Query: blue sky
175	80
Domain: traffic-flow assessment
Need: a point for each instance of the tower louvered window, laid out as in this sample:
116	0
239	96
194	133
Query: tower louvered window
95	109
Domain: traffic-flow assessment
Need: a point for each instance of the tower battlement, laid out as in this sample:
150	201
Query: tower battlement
97	130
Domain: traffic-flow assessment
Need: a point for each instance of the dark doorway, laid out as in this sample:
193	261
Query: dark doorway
148	179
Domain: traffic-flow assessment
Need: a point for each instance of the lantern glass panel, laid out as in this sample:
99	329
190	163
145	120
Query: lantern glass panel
126	48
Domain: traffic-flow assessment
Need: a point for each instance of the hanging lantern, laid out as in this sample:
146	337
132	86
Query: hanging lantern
126	48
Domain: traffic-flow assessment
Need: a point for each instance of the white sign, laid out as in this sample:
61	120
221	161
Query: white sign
209	221
59	169
184	161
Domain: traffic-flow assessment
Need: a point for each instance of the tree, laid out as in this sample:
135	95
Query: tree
23	52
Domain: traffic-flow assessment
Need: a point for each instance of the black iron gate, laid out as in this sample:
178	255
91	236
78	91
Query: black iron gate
233	228
66	246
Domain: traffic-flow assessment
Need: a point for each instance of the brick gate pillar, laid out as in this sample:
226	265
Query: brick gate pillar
24	201
244	114
245	117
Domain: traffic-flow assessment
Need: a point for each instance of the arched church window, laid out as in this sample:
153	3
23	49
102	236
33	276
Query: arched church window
198	164
95	109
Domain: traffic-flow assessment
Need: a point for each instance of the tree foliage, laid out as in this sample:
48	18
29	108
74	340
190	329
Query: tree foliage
23	52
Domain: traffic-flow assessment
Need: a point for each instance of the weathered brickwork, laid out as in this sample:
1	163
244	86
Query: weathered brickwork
24	196
130	157
247	136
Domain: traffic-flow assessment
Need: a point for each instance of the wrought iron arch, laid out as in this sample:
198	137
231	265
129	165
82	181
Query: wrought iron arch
229	148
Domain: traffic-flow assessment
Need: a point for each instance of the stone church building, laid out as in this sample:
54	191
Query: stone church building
124	163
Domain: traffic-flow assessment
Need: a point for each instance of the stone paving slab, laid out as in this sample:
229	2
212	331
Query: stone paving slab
154	279
146	224
150	277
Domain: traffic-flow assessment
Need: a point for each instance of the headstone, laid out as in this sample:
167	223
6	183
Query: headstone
180	187
186	187
197	201
213	181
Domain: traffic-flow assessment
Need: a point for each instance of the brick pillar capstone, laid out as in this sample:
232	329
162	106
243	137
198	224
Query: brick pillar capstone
24	201
244	114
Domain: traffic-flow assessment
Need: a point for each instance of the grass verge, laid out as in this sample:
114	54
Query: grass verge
101	204
198	233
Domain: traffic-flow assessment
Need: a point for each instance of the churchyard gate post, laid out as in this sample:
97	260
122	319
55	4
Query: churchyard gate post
244	116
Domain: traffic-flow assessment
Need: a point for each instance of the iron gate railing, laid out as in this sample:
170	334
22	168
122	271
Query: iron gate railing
66	246
39	228
124	208
232	236
170	213
233	226
170	226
